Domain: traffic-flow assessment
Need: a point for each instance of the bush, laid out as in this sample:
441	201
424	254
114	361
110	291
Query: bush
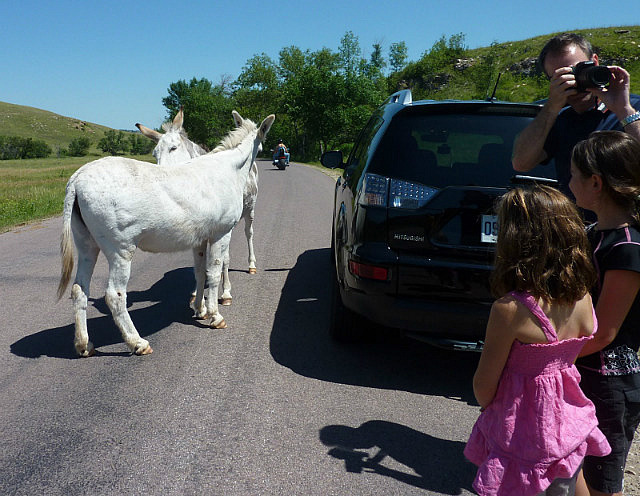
139	145
79	147
14	147
113	143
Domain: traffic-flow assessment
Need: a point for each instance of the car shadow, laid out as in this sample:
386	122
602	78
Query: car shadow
378	447
300	341
170	294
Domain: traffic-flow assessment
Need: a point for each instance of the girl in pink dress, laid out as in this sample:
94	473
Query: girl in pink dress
536	425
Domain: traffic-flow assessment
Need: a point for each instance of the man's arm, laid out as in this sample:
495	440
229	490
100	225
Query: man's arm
528	149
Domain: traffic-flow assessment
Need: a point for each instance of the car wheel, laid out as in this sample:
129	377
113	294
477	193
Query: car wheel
344	325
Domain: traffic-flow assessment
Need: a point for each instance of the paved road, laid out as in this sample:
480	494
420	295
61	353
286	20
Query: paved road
269	406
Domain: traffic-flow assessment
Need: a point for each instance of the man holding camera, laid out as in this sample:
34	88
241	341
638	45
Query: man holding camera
583	97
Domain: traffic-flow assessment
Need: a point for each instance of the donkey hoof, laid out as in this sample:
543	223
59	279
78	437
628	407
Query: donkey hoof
143	348
253	270
147	351
225	301
220	325
86	351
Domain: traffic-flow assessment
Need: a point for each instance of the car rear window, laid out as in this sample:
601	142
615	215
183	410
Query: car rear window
448	149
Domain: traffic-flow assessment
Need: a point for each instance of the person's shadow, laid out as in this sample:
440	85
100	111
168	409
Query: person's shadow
433	464
170	296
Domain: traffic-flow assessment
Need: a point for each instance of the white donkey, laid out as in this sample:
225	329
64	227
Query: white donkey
117	205
175	148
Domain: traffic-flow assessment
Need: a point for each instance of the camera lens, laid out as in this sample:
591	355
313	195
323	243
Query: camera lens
590	75
599	76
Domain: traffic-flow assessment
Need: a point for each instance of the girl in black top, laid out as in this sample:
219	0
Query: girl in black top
605	178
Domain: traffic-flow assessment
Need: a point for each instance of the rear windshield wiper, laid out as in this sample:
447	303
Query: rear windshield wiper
519	179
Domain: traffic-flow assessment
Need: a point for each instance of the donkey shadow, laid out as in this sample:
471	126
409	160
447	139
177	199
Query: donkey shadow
300	341
170	296
378	446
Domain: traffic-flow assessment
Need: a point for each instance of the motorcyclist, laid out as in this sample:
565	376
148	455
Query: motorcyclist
281	150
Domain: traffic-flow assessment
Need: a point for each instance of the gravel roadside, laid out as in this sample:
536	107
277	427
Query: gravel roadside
632	469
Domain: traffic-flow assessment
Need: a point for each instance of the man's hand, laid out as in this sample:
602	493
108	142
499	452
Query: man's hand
616	95
561	86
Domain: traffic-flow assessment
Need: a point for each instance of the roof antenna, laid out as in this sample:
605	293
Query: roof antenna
495	88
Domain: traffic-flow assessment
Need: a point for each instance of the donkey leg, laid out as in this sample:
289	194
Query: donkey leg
88	252
248	231
200	269
215	257
116	298
226	297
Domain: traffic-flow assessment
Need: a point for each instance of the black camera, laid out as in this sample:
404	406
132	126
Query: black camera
590	75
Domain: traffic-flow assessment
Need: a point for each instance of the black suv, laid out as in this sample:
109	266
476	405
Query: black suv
414	228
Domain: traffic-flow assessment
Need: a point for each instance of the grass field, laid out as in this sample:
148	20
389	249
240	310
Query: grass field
34	189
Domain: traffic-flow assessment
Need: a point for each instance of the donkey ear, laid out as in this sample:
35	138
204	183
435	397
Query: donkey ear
265	126
149	133
178	119
237	118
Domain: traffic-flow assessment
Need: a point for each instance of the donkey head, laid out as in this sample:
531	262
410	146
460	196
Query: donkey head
173	146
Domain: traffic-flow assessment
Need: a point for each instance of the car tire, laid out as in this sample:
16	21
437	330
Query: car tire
345	326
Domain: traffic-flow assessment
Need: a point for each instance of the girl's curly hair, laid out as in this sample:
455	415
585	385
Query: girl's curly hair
542	246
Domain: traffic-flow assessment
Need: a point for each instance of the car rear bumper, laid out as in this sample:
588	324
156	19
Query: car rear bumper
444	323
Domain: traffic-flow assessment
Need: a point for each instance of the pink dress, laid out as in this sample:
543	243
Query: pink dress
539	425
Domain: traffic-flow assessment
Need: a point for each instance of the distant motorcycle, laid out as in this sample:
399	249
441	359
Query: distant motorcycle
281	158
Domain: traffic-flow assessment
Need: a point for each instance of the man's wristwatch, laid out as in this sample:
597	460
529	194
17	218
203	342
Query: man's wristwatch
628	120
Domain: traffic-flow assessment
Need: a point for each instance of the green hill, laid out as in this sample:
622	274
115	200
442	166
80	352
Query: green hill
55	130
449	70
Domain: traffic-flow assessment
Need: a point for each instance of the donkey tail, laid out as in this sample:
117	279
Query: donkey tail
66	240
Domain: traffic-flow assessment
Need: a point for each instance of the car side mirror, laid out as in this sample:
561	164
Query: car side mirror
332	159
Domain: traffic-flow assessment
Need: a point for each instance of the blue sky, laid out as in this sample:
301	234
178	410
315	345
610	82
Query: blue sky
111	62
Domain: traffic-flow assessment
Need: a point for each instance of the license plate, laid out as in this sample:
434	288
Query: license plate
489	229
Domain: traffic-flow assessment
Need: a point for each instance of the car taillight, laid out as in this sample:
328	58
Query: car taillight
375	190
405	194
368	271
394	193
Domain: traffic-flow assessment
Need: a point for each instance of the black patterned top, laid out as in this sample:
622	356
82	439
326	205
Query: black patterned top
617	249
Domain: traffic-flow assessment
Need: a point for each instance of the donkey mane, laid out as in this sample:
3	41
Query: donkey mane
235	136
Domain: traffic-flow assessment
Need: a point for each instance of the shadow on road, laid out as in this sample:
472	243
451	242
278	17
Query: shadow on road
171	296
300	341
374	447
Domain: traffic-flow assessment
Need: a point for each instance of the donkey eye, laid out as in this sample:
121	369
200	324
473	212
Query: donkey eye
173	148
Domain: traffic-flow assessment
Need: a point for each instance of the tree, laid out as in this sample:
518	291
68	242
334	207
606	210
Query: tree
398	56
377	59
350	53
257	89
485	73
113	142
79	146
207	109
432	71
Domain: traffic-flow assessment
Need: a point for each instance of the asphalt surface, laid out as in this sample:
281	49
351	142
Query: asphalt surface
268	406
